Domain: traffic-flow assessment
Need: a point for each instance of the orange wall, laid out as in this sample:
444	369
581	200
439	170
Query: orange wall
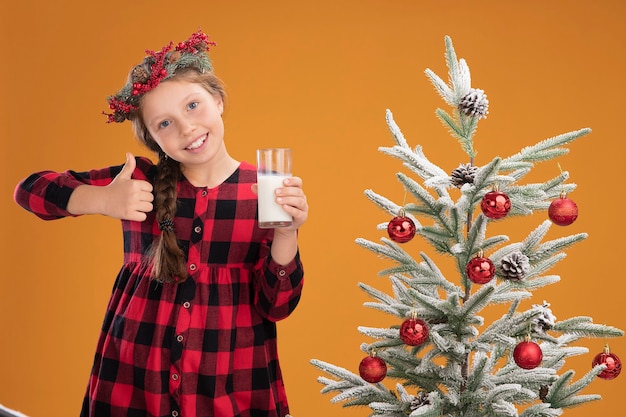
316	76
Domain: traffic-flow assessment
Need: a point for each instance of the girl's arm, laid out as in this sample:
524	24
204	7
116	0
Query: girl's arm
281	277
124	198
53	195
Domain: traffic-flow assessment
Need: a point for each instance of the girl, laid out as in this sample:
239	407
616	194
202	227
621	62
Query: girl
190	326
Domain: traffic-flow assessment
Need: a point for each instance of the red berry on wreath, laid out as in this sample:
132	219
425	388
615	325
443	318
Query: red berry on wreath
414	331
480	270
495	204
401	228
527	354
612	362
563	211
372	368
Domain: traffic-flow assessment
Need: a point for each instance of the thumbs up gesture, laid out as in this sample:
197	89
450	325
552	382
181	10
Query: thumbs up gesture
127	198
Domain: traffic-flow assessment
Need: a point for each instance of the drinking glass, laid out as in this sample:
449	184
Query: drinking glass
273	166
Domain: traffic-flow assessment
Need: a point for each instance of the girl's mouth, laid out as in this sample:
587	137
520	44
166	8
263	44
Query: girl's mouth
196	144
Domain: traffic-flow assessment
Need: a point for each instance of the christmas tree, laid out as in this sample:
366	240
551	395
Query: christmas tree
443	358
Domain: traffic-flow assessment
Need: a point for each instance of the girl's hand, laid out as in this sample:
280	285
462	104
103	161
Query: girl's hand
293	200
126	198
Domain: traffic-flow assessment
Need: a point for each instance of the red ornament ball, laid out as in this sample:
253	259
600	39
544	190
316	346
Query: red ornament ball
563	211
414	331
612	362
527	355
372	369
480	270
495	204
401	229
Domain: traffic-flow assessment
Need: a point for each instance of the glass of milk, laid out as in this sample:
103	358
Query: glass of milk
273	166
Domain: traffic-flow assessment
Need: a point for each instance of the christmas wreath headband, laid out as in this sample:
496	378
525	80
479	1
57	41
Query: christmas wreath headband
191	53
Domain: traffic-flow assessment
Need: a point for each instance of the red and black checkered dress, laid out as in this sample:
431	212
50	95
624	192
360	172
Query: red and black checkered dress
207	346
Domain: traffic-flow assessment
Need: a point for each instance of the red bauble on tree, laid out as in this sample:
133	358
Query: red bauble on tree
527	354
401	228
612	362
495	204
563	211
372	368
480	270
414	331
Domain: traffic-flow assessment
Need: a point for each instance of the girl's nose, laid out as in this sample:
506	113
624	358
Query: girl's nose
187	126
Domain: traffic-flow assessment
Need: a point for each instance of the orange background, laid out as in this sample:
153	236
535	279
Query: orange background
315	76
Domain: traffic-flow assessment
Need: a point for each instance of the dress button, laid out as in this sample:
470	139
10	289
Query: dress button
186	304
179	338
204	193
175	377
197	229
192	267
174	413
282	273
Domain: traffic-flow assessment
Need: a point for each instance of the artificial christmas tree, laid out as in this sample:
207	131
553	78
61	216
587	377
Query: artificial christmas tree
459	365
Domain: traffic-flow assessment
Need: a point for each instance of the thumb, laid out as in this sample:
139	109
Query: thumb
129	167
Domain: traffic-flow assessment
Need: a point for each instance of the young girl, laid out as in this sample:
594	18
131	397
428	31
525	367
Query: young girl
190	327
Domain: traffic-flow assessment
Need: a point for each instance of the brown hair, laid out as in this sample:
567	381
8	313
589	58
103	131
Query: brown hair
168	260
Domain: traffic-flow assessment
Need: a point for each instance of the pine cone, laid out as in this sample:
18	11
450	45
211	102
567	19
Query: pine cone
475	104
139	75
173	56
515	266
546	320
202	47
464	174
119	117
420	400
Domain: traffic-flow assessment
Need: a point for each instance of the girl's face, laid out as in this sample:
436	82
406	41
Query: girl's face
185	120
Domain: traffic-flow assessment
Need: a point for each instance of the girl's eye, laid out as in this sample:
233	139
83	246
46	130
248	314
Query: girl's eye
164	123
192	105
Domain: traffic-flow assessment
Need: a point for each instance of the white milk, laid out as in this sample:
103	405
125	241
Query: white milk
271	214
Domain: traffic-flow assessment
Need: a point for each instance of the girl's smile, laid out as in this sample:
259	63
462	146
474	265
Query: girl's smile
197	144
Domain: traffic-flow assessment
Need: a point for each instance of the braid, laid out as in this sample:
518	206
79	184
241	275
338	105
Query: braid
168	259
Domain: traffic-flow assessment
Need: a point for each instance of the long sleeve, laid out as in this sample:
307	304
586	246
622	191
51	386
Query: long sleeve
278	288
47	193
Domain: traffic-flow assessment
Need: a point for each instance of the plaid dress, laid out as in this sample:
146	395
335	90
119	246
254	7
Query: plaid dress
204	347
